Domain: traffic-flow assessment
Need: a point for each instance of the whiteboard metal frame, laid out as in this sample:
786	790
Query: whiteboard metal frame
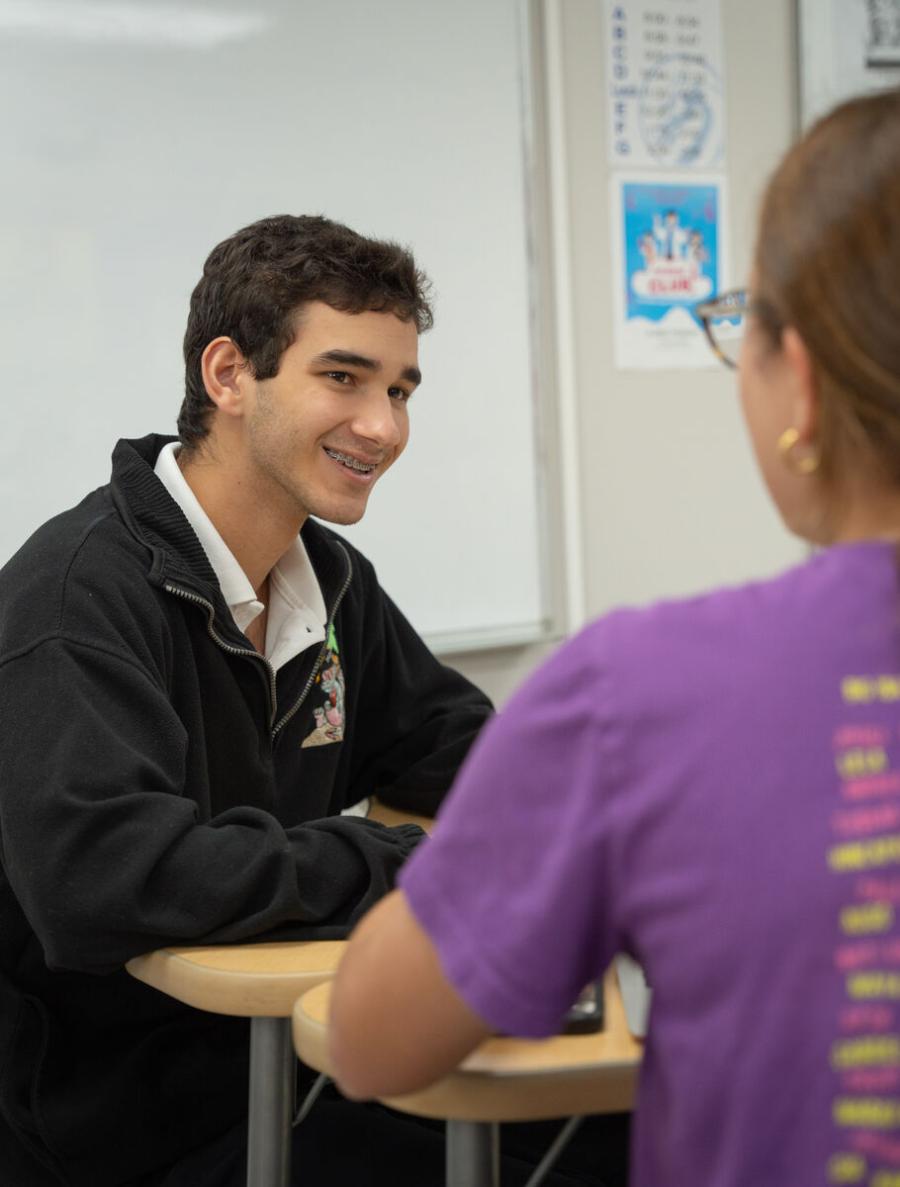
566	385
554	385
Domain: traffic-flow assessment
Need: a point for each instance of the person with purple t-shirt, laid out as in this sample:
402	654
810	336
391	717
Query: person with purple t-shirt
711	785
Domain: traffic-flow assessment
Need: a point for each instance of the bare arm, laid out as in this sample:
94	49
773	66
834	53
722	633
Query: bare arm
397	1024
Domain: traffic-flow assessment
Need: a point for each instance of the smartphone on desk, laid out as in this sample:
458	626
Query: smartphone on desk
586	1015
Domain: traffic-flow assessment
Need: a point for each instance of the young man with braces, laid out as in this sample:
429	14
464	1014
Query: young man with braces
197	680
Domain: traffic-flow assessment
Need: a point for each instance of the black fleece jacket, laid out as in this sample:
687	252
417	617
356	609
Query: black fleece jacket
159	785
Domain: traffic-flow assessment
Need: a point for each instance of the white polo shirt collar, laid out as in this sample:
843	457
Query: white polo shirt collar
297	610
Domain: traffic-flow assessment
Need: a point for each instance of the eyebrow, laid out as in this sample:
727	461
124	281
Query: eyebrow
349	358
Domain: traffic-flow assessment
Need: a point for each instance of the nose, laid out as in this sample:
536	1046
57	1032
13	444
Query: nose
380	419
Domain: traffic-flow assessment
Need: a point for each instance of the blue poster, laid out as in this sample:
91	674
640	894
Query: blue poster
669	239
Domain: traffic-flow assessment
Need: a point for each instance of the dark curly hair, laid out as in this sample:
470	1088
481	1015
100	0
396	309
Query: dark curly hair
254	283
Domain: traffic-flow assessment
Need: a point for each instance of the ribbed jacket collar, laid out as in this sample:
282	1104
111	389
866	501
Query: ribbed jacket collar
153	516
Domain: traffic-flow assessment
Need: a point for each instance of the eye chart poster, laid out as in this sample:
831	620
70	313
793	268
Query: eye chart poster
669	253
666	93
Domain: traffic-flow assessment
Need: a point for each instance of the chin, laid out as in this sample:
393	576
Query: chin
342	516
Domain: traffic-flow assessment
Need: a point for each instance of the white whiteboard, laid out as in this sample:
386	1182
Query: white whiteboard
136	135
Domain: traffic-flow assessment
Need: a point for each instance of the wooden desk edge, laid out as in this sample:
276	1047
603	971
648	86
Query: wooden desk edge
511	1091
235	979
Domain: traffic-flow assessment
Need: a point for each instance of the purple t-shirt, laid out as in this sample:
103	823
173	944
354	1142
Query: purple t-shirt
712	785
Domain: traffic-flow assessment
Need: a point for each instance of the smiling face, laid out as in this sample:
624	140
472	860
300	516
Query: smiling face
321	432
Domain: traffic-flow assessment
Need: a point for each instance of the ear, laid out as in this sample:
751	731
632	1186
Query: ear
804	391
224	369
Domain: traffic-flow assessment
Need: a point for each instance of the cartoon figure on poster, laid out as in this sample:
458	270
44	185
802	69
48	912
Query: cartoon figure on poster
670	252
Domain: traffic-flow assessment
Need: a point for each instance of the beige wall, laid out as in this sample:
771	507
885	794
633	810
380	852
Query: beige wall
668	496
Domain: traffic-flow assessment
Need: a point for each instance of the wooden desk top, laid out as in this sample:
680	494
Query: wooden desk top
508	1079
249	980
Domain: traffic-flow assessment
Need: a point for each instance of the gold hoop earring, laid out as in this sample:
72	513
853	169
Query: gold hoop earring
803	464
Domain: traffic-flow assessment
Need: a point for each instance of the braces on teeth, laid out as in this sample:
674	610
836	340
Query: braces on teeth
365	467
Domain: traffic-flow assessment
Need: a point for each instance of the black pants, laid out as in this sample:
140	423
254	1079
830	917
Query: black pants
345	1144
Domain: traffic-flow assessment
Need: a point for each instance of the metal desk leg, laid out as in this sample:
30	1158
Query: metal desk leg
473	1154
271	1089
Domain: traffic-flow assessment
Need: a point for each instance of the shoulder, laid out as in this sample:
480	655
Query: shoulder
81	573
665	651
758	616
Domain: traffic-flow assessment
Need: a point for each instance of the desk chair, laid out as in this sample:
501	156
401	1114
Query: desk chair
505	1079
261	982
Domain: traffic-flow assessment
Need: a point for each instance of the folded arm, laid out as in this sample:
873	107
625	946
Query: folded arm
109	854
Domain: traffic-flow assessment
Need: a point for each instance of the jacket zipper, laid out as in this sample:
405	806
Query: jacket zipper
255	655
323	650
220	642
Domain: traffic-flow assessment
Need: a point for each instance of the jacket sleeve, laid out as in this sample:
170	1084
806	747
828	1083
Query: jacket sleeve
106	855
417	717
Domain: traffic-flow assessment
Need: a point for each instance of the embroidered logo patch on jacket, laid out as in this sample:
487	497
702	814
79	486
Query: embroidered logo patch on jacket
328	715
